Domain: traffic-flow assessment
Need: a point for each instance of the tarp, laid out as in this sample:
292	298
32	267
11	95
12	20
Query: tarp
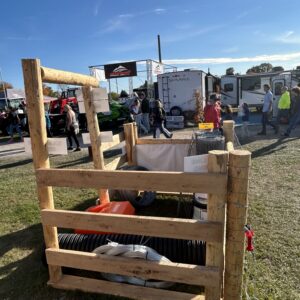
163	157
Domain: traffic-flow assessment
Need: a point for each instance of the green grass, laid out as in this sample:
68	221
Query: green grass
273	272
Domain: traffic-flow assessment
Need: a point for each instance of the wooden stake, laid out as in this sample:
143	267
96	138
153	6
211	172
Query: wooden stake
228	130
237	205
130	131
216	208
94	131
38	133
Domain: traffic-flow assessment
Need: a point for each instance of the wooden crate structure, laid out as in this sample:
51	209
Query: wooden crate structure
226	183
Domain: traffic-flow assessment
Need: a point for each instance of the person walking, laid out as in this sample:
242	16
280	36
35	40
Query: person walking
284	105
145	108
295	119
245	119
14	122
137	115
267	109
72	127
158	121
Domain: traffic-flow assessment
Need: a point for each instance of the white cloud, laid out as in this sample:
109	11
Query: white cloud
289	37
225	60
96	8
159	10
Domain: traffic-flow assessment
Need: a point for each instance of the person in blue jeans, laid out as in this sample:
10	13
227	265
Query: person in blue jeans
267	108
13	123
295	120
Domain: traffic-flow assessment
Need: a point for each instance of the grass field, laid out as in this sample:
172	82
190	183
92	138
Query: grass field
272	273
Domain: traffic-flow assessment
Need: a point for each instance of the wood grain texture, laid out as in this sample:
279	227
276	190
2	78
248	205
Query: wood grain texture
150	226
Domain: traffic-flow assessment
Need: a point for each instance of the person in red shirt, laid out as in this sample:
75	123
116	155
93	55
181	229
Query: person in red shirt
212	112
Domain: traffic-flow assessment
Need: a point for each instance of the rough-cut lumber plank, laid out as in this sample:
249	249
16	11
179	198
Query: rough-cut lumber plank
174	272
117	139
149	226
216	208
37	126
69	282
64	77
116	163
162	141
238	178
95	137
135	180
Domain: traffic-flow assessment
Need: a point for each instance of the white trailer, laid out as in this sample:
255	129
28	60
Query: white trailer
177	90
238	89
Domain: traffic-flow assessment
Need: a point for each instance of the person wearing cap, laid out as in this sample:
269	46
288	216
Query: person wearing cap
284	105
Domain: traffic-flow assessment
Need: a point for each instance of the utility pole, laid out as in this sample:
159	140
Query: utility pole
159	48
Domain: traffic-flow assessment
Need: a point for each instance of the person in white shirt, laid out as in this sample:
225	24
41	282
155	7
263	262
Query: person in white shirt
267	108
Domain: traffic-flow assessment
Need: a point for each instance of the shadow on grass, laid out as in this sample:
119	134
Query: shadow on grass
18	275
274	147
79	161
16	164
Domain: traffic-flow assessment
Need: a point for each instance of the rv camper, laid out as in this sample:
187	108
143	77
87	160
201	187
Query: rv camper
238	89
177	90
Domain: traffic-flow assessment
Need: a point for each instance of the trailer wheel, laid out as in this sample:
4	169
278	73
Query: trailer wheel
175	111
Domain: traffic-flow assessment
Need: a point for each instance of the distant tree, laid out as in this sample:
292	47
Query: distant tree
230	71
48	91
5	85
262	68
278	69
114	96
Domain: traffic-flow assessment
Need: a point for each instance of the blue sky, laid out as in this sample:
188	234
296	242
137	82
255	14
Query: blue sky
71	35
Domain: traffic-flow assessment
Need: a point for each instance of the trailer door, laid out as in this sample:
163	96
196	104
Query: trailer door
229	90
277	86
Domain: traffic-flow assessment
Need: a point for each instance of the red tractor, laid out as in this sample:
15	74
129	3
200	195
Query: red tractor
56	109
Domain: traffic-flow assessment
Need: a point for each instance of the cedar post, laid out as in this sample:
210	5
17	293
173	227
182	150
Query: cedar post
237	205
37	126
216	208
130	131
94	131
228	130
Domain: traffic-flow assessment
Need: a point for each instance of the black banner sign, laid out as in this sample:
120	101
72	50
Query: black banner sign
126	69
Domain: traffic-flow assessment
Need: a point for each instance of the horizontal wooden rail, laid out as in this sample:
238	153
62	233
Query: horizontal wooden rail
174	272
58	76
135	180
162	141
117	139
116	163
186	229
69	282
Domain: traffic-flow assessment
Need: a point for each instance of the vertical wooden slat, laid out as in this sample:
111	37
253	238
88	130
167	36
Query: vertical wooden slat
216	208
237	205
130	142
94	131
37	126
228	130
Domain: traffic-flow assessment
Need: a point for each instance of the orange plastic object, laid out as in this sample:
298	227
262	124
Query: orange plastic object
121	208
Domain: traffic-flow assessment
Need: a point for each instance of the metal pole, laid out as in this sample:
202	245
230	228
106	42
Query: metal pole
109	90
159	48
4	89
117	85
